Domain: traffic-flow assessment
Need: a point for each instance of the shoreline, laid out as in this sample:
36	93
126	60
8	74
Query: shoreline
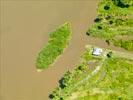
70	87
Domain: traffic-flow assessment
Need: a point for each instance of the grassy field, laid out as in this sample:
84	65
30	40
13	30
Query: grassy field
112	82
58	40
115	17
109	79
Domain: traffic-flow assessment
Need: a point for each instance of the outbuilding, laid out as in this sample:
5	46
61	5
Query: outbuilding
97	51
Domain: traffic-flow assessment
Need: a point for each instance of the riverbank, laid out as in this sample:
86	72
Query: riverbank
103	80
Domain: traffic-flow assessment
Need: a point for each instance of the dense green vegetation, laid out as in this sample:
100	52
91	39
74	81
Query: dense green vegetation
109	79
127	44
59	39
115	17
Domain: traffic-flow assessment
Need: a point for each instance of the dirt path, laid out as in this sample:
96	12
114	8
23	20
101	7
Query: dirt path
92	73
123	55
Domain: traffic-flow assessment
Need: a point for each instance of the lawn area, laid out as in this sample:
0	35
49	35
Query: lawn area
109	79
115	17
112	82
117	82
58	41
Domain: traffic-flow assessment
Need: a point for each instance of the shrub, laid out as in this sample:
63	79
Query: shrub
109	55
111	22
87	33
106	7
120	4
99	27
97	19
108	42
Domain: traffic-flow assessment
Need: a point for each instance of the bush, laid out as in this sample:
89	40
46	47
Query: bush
111	22
87	33
106	7
109	55
120	4
108	42
64	82
99	27
97	19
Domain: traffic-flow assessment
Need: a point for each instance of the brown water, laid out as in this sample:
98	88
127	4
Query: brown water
24	30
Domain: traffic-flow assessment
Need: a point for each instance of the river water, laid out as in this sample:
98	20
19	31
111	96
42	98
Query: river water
24	30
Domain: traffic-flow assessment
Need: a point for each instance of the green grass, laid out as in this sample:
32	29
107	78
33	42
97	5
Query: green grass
58	40
112	82
127	44
116	20
116	84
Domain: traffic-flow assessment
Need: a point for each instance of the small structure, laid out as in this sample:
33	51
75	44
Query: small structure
97	51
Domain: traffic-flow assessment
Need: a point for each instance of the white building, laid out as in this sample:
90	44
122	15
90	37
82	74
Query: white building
97	51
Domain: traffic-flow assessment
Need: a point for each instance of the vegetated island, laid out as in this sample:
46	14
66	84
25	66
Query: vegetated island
58	41
101	75
114	23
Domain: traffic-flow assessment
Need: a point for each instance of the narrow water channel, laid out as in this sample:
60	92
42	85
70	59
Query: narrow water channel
24	30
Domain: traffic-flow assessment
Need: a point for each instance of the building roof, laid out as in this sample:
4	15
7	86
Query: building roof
97	51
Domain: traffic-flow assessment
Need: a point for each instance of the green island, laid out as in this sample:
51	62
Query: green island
114	23
99	76
58	40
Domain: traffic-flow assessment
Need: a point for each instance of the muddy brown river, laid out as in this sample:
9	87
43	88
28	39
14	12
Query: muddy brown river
24	30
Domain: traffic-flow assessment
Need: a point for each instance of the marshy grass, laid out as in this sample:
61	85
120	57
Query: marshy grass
58	41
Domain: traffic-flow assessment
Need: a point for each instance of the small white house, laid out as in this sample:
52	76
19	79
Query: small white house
97	51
